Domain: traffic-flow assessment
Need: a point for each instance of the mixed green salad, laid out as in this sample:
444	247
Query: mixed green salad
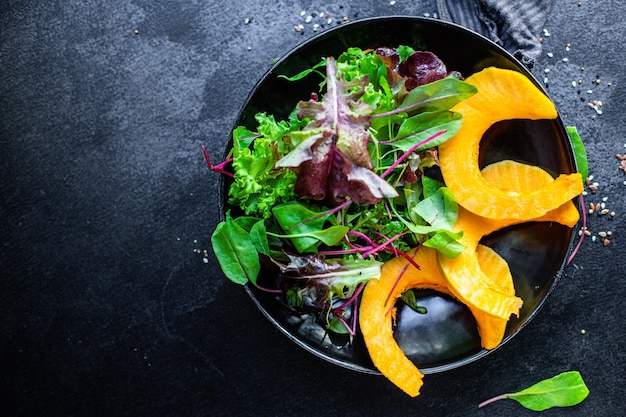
349	180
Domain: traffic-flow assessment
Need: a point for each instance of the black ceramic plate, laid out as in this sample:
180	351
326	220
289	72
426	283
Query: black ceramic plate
446	337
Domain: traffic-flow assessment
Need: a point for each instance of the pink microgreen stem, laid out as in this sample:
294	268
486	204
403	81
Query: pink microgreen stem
346	325
583	230
362	236
409	152
219	168
406	266
353	298
492	400
382	245
355	249
269	290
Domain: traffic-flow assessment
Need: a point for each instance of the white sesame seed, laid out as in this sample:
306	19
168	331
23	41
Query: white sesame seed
308	19
589	91
392	2
573	84
565	59
302	13
550	54
605	198
547	70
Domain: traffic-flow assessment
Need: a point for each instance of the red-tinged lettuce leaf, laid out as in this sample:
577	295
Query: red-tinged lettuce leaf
361	184
322	278
332	163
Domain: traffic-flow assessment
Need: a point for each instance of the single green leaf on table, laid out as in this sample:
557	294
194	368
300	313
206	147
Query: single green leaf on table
579	151
235	252
564	390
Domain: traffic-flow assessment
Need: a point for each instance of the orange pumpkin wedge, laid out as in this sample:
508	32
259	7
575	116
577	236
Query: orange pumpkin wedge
375	317
463	274
491	329
376	311
502	95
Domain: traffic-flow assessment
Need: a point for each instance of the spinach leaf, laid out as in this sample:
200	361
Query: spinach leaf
420	127
439	95
563	390
235	252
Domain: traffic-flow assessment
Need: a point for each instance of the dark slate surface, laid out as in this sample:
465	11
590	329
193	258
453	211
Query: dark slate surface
106	304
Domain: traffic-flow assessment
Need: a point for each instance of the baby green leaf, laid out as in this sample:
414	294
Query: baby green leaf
304	73
258	234
440	209
302	225
579	151
563	390
422	126
235	252
439	95
446	243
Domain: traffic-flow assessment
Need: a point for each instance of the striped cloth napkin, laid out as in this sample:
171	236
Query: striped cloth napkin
513	24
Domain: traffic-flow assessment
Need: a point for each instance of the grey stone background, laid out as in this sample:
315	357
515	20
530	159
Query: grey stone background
107	304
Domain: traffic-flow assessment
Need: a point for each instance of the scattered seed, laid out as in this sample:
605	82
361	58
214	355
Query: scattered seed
602	234
550	54
606	242
565	59
597	207
612	214
587	232
593	238
582	68
609	233
136	31
583	331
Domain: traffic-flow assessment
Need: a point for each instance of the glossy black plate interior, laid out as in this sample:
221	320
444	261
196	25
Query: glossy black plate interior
446	337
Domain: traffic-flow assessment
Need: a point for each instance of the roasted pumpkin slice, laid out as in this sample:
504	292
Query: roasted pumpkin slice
490	328
376	312
463	275
398	275
502	95
525	178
